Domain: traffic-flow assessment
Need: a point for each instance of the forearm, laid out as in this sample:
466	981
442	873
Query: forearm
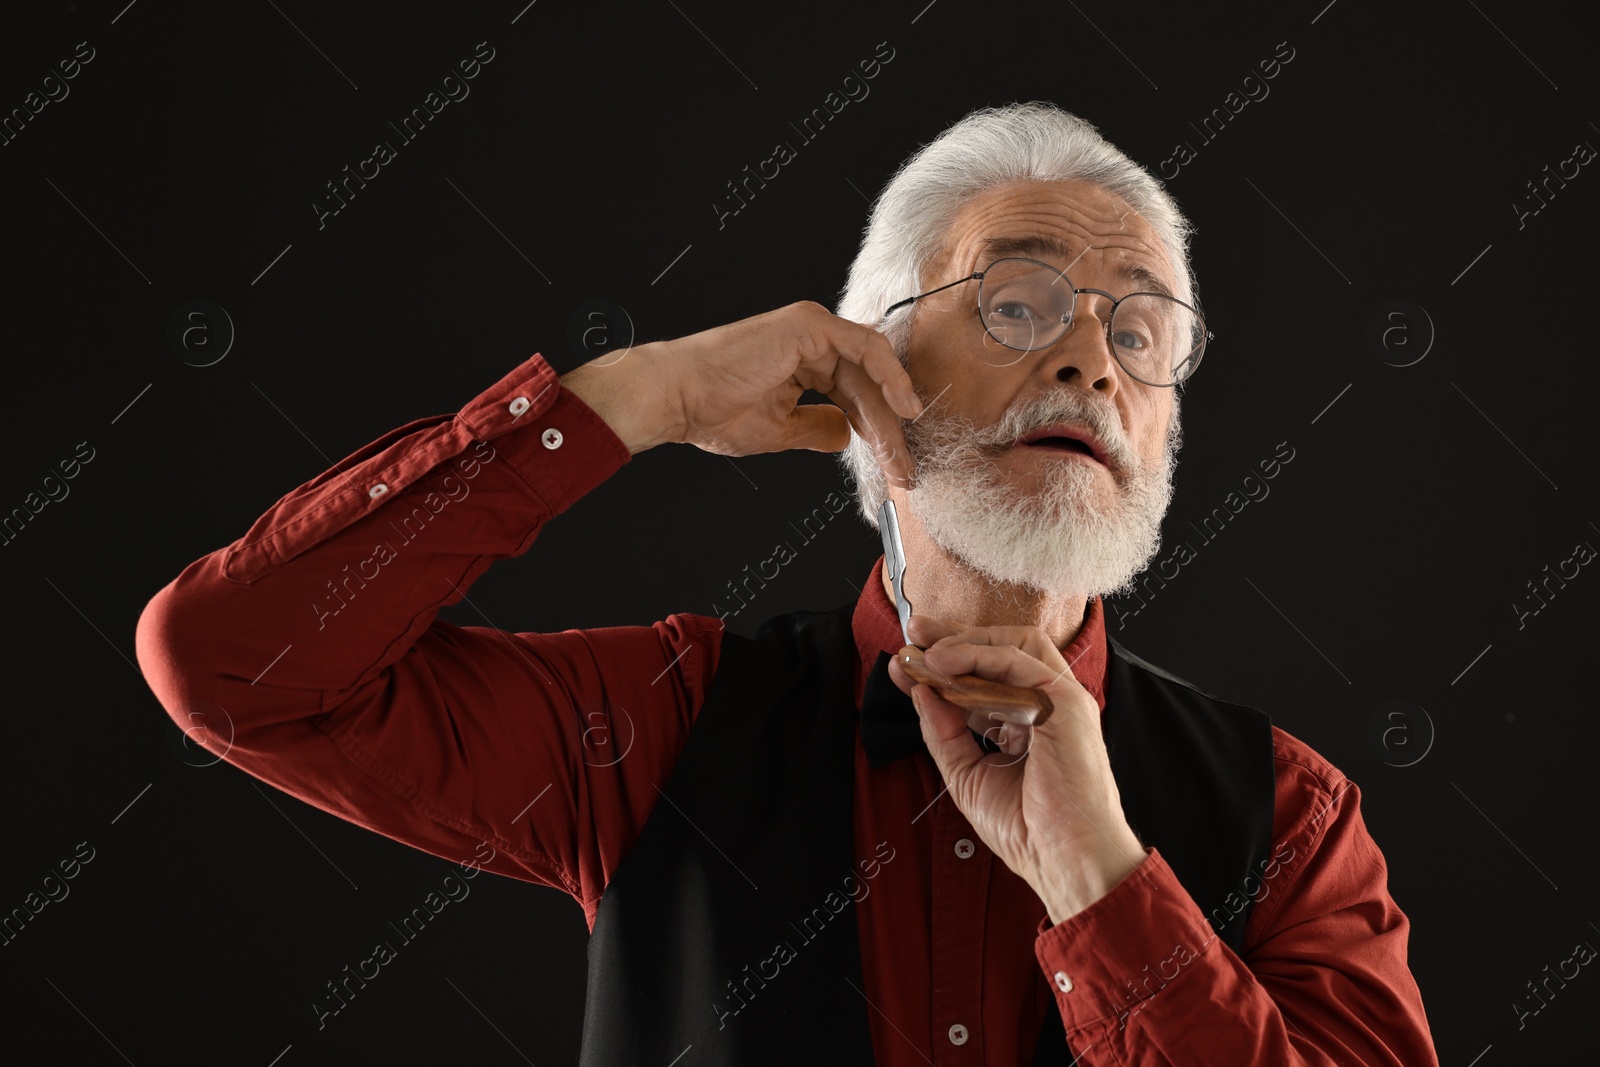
631	391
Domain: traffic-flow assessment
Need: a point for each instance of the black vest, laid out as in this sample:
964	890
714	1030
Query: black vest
753	833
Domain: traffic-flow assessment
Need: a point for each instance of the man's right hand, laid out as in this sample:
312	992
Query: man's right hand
734	390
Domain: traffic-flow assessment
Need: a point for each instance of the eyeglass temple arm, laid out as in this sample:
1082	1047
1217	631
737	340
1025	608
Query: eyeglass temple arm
975	276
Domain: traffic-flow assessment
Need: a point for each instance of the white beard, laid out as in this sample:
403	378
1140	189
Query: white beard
1062	539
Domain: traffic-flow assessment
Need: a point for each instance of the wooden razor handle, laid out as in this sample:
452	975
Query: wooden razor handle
1017	704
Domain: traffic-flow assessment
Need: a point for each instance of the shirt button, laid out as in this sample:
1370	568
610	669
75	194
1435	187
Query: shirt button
1063	983
552	438
377	490
518	406
965	848
958	1034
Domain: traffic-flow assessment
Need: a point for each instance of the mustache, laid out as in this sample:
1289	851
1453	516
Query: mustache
937	432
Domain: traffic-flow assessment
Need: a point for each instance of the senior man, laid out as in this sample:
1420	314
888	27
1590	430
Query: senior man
788	851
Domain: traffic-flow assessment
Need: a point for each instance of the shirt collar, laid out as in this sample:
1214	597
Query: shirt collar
877	629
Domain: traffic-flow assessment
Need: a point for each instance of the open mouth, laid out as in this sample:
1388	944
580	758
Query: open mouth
1063	444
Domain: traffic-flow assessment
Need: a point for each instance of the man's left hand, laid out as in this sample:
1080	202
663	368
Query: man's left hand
1047	805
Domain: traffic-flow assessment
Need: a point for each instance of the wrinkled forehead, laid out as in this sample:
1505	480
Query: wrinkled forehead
1066	224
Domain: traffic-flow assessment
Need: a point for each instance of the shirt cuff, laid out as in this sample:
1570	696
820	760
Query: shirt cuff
554	445
528	418
1107	960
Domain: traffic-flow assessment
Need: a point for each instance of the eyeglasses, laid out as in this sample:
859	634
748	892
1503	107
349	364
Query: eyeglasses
1027	305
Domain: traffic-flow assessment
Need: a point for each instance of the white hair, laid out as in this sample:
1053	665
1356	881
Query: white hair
991	146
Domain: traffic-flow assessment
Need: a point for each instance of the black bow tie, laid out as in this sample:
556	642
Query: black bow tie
890	726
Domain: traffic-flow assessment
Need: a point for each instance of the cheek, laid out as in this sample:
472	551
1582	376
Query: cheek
952	374
1152	414
994	356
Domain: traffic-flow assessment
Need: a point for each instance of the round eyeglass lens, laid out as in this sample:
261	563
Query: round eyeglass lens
1155	337
1027	306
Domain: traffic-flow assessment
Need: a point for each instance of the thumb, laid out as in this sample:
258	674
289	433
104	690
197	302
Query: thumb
819	427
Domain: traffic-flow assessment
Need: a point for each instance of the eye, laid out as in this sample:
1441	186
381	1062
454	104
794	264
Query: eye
1014	311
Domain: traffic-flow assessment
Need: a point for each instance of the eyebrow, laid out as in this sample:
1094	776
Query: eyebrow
1039	245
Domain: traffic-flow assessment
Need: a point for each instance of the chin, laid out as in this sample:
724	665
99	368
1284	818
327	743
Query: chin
1065	534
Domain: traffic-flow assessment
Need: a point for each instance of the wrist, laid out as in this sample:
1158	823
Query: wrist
1070	889
629	392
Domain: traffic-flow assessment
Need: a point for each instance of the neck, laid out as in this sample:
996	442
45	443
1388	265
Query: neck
943	587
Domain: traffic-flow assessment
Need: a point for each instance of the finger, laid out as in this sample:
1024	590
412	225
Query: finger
928	629
819	427
899	677
906	680
903	678
951	744
1029	639
1013	740
1019	704
882	434
999	663
875	422
867	400
875	355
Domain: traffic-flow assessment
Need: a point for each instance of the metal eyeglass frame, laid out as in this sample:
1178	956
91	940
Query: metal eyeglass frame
1072	312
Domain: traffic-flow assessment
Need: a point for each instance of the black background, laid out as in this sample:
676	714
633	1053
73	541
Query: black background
1384	564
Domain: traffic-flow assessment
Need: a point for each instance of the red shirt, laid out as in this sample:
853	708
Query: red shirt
309	653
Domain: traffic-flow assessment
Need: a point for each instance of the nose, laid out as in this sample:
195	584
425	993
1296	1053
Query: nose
1082	355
